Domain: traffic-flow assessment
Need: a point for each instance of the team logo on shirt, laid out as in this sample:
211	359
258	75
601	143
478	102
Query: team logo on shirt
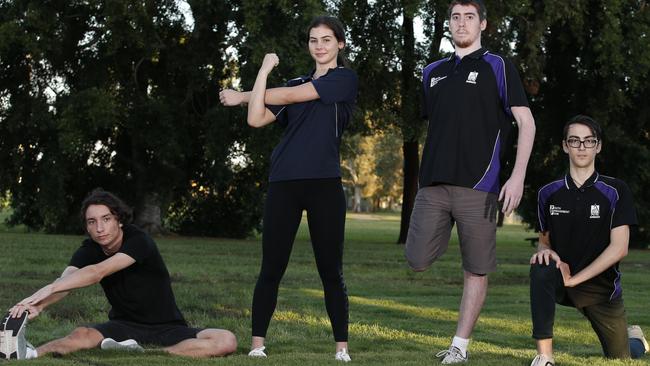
435	81
471	78
557	210
595	212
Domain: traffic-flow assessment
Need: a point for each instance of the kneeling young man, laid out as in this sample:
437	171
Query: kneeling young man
127	264
585	221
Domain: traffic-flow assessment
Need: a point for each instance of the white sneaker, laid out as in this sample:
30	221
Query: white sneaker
635	331
30	351
542	360
127	345
257	352
12	337
452	355
342	355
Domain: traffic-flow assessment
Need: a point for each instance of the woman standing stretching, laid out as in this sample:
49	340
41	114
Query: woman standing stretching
305	174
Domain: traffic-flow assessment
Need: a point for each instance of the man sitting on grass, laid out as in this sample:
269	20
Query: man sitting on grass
585	221
127	264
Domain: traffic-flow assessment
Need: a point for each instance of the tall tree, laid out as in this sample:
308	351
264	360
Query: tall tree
590	59
410	122
386	55
118	94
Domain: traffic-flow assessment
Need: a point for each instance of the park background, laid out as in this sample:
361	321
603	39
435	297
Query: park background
124	95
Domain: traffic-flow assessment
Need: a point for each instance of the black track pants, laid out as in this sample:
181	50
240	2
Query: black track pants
608	319
324	201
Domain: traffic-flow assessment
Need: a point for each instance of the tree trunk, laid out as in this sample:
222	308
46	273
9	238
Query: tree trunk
411	123
438	32
148	216
500	217
411	169
357	199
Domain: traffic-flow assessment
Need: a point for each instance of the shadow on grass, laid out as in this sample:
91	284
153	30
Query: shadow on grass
505	333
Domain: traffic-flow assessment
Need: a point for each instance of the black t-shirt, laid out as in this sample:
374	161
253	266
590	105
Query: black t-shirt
579	222
467	102
141	292
309	148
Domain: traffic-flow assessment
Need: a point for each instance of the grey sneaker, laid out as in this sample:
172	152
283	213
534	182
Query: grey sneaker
127	345
635	331
542	360
452	355
12	337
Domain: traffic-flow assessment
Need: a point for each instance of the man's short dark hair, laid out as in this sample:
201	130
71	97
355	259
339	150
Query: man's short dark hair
584	120
117	207
478	4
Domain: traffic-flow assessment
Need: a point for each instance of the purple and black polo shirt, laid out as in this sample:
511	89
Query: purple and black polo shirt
467	102
579	222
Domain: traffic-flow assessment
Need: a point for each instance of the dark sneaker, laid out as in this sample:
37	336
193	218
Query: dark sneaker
12	337
634	331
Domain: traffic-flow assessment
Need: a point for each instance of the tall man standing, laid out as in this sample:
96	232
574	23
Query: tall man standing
470	100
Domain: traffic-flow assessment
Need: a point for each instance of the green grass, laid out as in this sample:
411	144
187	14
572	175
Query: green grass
397	317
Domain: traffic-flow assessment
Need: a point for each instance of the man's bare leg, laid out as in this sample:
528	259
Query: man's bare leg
80	338
208	343
474	292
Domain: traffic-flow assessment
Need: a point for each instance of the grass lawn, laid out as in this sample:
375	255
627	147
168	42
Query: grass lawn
397	317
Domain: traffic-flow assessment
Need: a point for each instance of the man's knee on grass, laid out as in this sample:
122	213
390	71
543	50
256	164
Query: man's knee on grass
228	343
85	338
223	342
79	339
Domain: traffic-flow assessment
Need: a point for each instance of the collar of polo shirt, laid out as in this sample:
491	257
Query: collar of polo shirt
570	184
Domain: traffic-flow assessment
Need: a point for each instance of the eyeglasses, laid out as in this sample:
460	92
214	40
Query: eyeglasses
589	143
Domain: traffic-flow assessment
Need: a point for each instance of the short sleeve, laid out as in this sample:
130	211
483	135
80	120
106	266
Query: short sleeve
625	212
280	112
84	256
516	94
338	85
137	245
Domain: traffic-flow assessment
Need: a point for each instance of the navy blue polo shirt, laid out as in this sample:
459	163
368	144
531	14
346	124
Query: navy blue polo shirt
579	221
467	102
309	148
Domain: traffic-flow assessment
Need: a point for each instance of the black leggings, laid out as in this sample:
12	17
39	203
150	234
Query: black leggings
608	319
324	201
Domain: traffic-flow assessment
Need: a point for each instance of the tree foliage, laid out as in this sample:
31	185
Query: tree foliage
122	94
118	94
589	58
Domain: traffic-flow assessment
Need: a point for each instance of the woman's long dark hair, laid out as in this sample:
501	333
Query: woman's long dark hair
339	33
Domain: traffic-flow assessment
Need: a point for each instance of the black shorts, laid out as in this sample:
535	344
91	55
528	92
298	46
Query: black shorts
152	334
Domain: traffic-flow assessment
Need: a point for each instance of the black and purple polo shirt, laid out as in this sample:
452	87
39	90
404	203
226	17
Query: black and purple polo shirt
579	221
467	102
